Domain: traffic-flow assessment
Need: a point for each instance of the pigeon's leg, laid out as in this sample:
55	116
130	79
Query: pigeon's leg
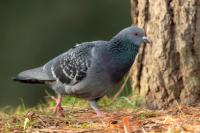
96	109
58	105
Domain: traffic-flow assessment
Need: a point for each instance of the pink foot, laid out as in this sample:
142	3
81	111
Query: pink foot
99	114
96	109
58	106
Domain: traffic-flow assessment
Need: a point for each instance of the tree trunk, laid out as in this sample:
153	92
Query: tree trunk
168	71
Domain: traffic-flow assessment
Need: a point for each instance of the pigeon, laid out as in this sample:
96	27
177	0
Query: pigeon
88	70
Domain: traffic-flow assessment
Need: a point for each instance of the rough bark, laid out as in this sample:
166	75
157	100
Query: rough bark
168	71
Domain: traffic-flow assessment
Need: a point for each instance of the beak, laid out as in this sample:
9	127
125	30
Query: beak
146	40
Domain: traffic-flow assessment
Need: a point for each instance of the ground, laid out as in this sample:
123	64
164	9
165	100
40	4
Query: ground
122	116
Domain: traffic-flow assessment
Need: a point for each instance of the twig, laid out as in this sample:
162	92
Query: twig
126	125
42	122
180	108
143	130
73	104
49	95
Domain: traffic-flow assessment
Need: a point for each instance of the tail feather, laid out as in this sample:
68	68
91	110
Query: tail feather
34	76
31	81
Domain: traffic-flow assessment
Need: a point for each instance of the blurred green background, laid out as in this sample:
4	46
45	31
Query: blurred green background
34	31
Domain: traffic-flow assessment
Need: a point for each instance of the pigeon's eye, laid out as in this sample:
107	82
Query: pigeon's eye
136	34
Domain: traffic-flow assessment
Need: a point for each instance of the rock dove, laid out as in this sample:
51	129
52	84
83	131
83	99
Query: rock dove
90	69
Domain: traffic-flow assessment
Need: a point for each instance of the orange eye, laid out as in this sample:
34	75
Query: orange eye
136	34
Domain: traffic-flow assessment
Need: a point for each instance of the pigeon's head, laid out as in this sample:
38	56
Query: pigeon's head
134	35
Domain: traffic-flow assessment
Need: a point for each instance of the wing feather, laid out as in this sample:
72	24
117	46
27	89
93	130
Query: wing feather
72	66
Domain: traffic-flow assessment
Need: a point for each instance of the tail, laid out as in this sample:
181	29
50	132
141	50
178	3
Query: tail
34	76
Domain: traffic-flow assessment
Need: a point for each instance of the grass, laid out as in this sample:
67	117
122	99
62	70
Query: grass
25	119
123	115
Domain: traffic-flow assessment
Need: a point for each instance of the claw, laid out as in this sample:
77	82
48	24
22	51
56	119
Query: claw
99	114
